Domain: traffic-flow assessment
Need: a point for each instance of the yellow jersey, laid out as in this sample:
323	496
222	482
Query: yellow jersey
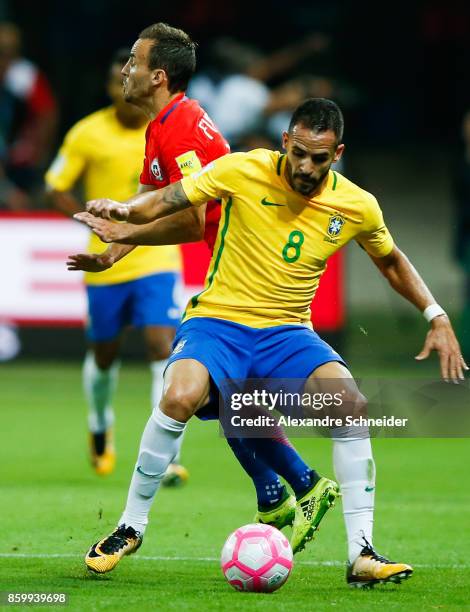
273	243
107	157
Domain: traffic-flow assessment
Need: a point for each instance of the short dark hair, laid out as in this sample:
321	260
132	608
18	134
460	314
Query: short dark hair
319	115
174	52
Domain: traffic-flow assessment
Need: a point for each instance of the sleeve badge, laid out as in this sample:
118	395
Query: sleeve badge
188	163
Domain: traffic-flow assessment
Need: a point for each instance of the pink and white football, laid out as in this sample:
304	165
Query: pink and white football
256	558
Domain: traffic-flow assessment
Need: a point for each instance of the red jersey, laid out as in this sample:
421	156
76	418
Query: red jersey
179	141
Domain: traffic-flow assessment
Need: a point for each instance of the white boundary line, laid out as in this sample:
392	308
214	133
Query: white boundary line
462	566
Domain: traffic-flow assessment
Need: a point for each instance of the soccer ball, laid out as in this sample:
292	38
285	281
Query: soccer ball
256	558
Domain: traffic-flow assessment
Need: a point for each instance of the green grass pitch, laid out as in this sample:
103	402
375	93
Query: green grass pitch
53	507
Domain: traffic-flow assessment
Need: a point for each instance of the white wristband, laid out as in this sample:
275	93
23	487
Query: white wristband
432	311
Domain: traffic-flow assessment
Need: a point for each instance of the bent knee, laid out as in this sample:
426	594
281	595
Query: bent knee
179	403
360	404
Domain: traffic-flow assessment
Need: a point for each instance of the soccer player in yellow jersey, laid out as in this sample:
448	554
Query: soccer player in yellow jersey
104	151
283	216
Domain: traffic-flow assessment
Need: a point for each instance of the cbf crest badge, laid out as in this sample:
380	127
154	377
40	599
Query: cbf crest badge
156	170
335	225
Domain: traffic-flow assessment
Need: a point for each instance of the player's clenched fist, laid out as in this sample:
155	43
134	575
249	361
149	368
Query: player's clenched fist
108	209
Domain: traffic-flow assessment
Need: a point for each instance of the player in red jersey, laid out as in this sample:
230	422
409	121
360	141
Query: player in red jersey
180	139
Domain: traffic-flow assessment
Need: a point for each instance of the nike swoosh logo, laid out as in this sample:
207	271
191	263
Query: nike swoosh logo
369	489
265	202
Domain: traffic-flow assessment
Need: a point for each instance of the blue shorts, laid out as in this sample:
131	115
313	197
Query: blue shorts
233	351
150	300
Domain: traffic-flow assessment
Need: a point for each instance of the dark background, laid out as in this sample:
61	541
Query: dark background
407	62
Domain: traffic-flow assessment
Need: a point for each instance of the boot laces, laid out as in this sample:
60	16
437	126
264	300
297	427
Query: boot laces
368	551
118	539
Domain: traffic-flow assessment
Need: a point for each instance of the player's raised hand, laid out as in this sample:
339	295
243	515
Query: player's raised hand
441	338
108	209
89	262
107	231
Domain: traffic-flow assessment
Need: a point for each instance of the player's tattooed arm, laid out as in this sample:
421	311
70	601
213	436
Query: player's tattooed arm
174	197
143	207
405	279
186	225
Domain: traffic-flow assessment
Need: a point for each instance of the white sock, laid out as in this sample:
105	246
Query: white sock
99	386
157	368
177	458
355	471
160	444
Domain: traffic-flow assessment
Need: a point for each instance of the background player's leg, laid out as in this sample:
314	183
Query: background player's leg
107	317
158	341
186	389
353	462
100	373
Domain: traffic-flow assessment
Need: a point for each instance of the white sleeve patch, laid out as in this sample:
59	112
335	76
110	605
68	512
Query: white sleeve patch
196	175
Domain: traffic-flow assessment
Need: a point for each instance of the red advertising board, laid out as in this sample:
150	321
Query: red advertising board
37	289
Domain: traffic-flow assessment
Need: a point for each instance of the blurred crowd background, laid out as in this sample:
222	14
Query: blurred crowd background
398	70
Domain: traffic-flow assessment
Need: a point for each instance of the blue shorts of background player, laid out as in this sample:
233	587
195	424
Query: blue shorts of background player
147	301
232	351
150	303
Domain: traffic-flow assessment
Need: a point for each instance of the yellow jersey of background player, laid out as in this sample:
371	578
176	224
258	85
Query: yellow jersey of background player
106	156
104	151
